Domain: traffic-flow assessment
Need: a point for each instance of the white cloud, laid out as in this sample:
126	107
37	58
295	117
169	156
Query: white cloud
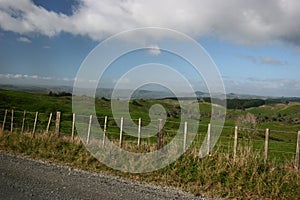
122	81
25	76
154	50
92	81
25	79
248	22
24	39
68	79
264	87
273	61
266	60
18	76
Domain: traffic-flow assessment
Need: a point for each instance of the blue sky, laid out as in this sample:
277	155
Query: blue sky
255	45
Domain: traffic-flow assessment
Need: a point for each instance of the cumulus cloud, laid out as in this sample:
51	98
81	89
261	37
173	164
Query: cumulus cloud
247	22
24	39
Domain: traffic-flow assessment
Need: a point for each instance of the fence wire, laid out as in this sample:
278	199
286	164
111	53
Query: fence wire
24	121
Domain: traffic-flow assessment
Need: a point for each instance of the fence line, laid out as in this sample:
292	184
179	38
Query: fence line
205	125
232	140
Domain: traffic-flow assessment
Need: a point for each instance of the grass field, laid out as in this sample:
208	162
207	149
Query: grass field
282	119
216	175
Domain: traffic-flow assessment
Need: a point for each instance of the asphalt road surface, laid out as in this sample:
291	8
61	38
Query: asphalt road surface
24	178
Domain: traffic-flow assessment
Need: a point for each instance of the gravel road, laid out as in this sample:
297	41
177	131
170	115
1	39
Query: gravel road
24	178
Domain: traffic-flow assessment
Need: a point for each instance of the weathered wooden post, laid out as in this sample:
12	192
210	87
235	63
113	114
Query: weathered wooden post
49	122
139	132
235	142
12	121
73	127
4	120
89	130
208	139
160	135
121	132
104	131
185	135
23	122
34	125
266	145
57	124
297	151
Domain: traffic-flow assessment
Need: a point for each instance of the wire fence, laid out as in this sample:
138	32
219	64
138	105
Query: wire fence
282	145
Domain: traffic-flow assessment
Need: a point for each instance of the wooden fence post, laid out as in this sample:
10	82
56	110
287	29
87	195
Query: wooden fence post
297	151
49	122
121	132
104	131
4	119
23	122
139	131
57	123
235	142
34	125
12	121
89	130
208	139
266	145
160	135
73	127
185	135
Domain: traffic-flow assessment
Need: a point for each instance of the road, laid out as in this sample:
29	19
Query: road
24	178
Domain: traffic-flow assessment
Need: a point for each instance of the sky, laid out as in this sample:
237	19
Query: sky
254	44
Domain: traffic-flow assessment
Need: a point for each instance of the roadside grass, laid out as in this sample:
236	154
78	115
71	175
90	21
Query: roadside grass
216	175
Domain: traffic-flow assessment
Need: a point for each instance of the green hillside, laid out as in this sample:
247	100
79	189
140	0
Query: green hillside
218	174
282	119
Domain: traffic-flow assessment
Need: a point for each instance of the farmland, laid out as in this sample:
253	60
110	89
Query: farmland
218	174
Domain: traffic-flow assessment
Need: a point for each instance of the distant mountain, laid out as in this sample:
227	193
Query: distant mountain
37	89
245	96
140	94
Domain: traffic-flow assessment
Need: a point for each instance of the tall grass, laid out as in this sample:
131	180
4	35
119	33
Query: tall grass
216	175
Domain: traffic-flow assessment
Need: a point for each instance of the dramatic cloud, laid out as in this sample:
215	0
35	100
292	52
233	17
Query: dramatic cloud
24	39
247	22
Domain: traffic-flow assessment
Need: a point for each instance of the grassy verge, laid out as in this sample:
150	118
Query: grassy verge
215	176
